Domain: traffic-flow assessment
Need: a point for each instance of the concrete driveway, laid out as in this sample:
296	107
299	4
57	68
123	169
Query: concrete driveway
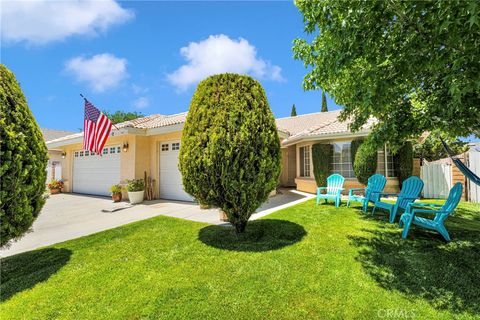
70	216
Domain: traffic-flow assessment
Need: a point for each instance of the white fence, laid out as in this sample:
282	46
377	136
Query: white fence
474	165
437	178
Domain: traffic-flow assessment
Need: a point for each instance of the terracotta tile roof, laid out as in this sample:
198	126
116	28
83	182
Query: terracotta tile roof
139	122
163	121
148	122
297	128
316	124
297	124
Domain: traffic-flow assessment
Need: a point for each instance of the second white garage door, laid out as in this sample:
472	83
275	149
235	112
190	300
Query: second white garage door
94	174
170	177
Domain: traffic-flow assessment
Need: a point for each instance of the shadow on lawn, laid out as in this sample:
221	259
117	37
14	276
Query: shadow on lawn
423	265
260	235
23	271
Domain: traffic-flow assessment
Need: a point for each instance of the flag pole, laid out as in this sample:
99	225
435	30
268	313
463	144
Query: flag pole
81	95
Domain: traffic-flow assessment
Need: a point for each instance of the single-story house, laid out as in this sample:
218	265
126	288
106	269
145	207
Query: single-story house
151	144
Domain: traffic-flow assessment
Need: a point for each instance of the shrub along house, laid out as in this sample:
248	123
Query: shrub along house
151	144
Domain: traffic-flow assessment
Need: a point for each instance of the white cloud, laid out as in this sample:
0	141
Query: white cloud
141	102
139	89
43	21
219	54
101	72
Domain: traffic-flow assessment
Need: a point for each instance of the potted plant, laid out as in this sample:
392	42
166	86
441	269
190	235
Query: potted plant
55	186
136	190
116	191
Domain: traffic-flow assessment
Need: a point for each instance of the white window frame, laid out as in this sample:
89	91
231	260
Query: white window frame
306	150
165	147
349	173
387	159
175	146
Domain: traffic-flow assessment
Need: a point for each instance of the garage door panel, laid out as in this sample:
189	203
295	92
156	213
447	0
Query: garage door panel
170	181
95	174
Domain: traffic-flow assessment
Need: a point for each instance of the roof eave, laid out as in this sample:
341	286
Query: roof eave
321	137
57	143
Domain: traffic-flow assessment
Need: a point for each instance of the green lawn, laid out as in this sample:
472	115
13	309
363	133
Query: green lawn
300	262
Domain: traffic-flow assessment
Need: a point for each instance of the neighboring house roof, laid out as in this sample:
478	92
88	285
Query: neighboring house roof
50	134
307	126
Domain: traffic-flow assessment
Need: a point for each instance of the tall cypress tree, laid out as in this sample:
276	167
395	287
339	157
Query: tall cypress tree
324	102
294	111
24	161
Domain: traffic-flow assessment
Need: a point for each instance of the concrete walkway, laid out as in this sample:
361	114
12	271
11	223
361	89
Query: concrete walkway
70	216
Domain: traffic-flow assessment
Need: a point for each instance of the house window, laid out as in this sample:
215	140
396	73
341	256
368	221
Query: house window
385	163
341	159
165	147
105	151
176	146
76	154
86	153
81	153
118	149
112	149
305	161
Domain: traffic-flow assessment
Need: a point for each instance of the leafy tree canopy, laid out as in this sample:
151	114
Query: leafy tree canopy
431	149
121	116
413	65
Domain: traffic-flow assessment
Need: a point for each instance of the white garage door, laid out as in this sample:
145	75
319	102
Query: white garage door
94	174
170	177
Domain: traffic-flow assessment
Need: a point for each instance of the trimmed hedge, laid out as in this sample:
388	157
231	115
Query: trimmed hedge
403	159
322	162
354	148
365	164
24	159
230	151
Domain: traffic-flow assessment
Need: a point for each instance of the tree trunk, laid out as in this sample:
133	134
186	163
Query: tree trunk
240	226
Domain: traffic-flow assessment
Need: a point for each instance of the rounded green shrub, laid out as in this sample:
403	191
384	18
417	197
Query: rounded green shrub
24	159
230	151
322	162
365	164
354	148
403	159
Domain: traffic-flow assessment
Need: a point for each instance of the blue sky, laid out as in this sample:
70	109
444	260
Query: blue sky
128	55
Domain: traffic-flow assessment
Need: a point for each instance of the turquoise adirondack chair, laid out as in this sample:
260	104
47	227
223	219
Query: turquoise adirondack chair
441	213
375	186
410	192
334	189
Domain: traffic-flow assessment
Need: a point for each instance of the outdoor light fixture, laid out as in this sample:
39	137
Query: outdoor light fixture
64	154
125	146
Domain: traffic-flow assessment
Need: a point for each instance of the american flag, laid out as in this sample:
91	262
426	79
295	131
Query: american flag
96	129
